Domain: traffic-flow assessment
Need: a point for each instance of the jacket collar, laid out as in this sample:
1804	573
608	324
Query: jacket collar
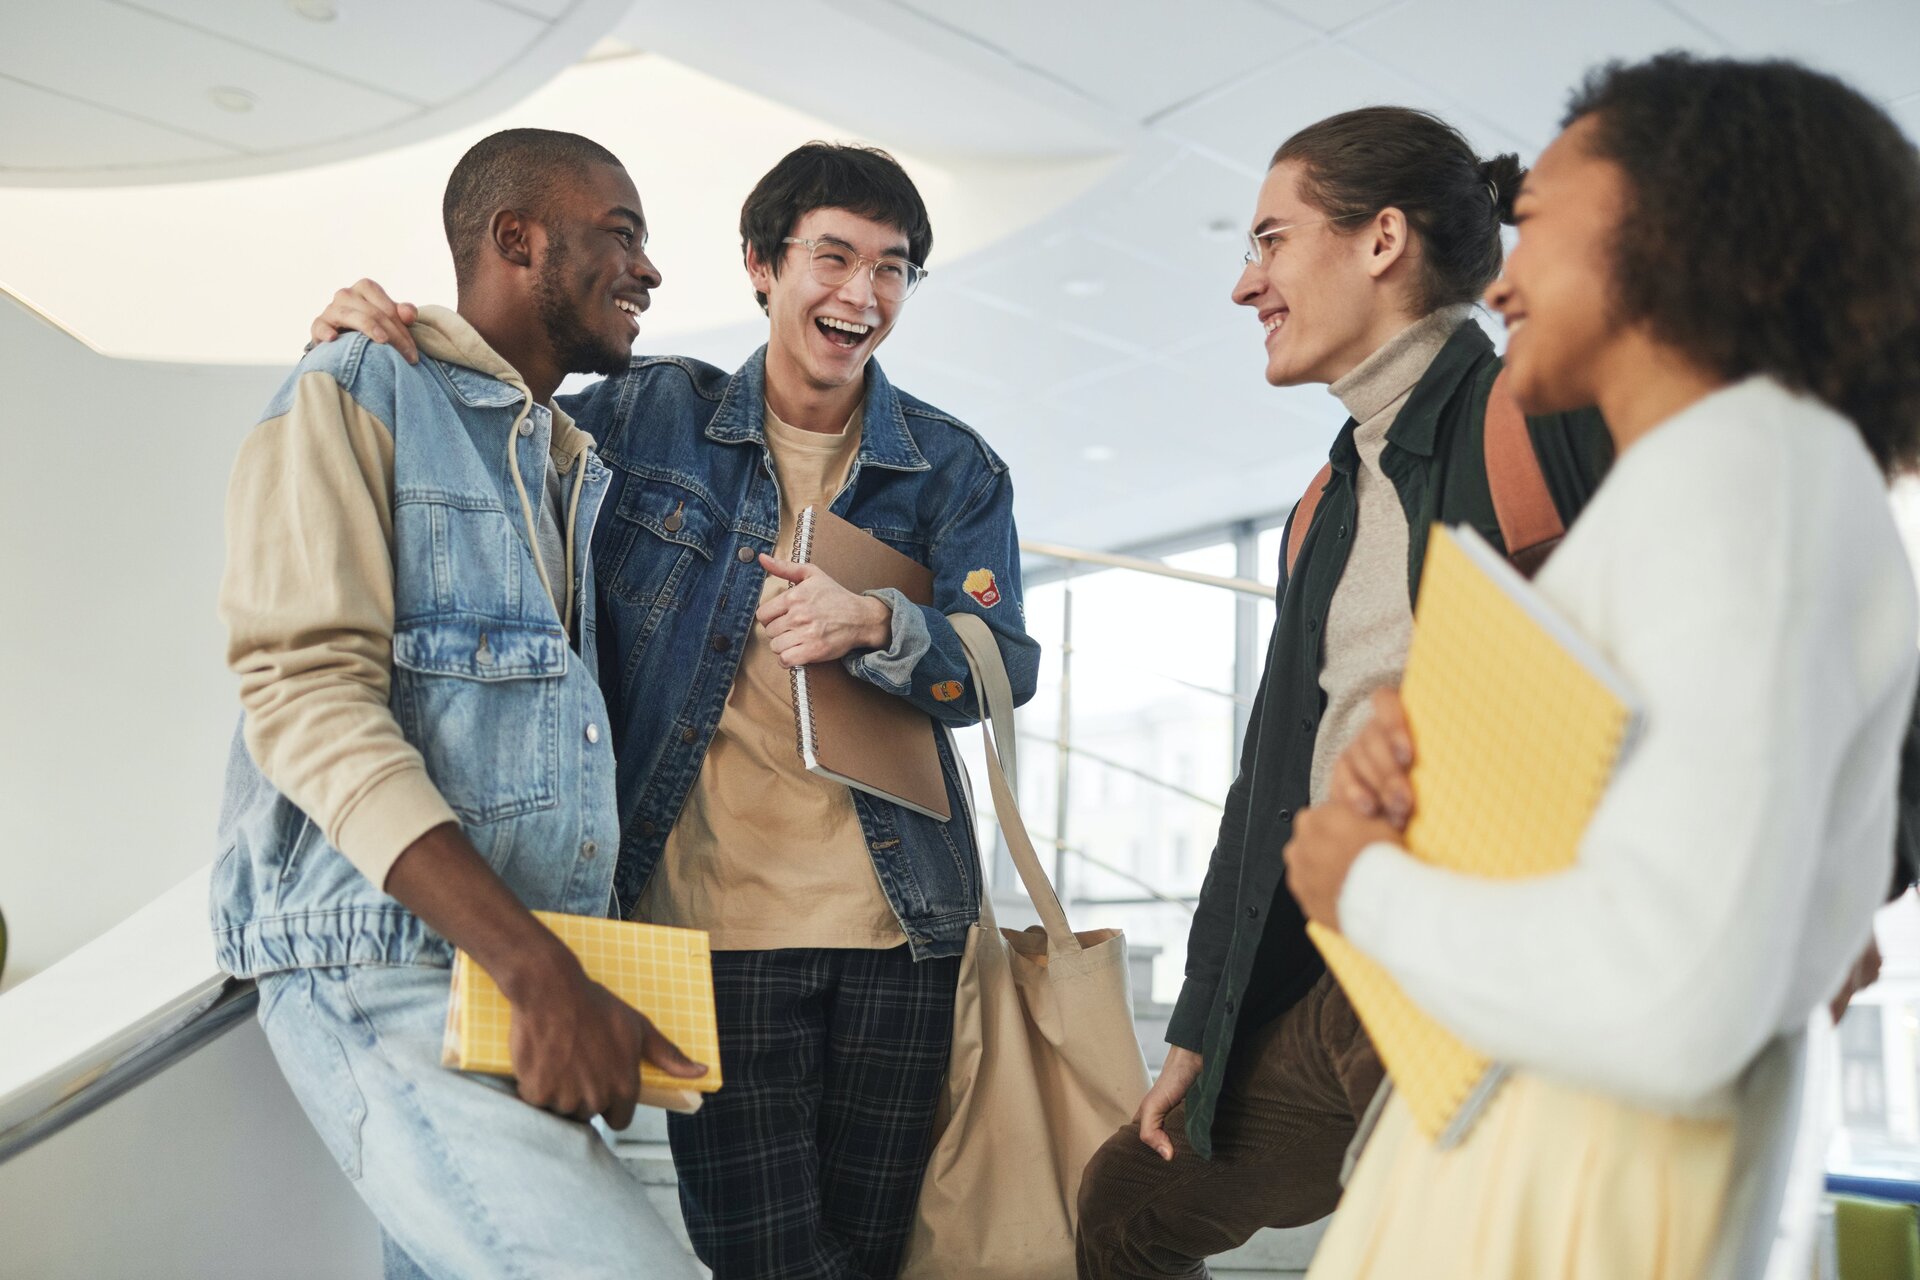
481	379
1417	425
884	438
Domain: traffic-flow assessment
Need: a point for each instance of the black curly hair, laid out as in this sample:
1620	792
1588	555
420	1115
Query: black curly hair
1360	162
1772	226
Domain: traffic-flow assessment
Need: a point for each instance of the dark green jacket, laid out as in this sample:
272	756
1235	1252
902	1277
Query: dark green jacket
1248	958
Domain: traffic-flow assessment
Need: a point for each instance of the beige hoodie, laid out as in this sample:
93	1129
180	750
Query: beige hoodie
307	599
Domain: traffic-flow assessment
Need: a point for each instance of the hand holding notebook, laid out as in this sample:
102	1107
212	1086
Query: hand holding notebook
665	973
1518	724
847	729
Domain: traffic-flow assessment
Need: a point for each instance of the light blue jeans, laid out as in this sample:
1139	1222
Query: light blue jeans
467	1180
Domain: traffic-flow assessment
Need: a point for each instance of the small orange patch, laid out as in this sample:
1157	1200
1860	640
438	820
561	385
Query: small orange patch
948	691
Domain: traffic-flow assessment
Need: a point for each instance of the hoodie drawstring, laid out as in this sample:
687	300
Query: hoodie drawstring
526	513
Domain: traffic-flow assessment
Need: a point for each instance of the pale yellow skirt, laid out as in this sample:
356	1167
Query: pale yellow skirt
1550	1184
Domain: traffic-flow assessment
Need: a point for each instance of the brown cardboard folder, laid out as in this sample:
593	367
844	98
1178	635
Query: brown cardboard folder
847	729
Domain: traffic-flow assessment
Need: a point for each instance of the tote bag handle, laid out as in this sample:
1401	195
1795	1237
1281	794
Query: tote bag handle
990	681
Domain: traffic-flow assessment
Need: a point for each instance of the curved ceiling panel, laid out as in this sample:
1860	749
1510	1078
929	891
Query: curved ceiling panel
117	92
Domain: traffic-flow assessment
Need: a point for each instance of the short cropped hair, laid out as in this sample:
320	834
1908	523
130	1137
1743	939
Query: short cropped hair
826	175
515	169
1773	227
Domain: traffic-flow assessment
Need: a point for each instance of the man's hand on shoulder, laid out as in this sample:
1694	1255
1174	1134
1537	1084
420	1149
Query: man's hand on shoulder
366	308
816	619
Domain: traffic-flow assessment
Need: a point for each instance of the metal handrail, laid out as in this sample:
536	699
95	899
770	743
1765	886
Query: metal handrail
1121	767
46	317
1109	560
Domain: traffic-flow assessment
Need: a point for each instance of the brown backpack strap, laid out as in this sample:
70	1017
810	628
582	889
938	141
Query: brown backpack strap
1530	524
1303	515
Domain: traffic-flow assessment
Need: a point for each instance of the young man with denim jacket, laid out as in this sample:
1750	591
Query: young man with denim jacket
424	753
838	918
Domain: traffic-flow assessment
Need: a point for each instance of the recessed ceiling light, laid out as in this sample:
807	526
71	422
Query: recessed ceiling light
1097	453
315	10
228	98
1221	229
1082	287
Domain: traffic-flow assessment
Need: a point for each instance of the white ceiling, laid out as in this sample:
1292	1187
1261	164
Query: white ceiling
118	91
1094	342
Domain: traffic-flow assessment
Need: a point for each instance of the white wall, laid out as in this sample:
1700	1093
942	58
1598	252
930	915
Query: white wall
205	1172
115	706
115	709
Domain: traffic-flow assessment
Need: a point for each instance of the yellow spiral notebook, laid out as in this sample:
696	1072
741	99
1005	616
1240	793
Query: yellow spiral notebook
665	973
1517	724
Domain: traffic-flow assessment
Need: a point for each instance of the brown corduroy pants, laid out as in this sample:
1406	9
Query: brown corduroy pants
1293	1095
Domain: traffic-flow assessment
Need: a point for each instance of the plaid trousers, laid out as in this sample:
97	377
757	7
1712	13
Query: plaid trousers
808	1162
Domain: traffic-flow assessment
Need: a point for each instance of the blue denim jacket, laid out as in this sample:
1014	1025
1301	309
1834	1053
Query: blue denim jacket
692	500
508	717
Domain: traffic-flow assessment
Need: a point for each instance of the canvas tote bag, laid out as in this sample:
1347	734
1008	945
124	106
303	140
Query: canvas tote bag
1045	1065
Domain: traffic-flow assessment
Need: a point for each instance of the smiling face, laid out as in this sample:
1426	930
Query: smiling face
1557	292
593	277
1326	294
822	336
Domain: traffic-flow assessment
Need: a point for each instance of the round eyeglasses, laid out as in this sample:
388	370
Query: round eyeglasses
833	264
1258	241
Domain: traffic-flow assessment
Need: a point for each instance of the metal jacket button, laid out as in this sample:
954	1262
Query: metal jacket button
526	427
688	736
744	555
593	733
589	849
721	644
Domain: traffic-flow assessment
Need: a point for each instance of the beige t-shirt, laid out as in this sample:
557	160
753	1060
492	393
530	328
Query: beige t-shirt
765	854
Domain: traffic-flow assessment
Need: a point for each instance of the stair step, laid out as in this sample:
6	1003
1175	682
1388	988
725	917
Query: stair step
1274	1254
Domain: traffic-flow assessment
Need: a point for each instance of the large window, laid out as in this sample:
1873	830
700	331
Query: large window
1130	743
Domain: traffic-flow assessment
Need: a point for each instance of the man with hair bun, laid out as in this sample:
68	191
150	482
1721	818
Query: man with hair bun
424	757
1373	235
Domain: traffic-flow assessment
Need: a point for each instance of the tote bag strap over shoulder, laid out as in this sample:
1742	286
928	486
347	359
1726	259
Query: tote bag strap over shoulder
990	680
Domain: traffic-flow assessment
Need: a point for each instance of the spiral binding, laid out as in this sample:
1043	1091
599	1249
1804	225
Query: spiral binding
803	736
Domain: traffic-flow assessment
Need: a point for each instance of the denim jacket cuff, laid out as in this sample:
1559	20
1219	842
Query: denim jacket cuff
892	667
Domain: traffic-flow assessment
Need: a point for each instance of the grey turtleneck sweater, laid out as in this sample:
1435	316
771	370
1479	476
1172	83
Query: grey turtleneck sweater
1370	622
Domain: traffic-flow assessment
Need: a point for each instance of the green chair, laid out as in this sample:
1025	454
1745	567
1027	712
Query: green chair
1875	1239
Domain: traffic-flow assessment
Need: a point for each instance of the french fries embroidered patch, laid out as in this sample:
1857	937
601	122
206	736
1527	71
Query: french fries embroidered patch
981	586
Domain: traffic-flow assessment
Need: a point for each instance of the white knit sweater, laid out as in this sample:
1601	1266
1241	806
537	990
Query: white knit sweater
1741	568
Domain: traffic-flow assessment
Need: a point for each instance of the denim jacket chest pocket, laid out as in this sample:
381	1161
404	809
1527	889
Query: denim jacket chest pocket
665	533
476	644
893	520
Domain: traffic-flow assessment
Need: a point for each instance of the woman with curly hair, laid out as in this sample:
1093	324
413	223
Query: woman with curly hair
1722	256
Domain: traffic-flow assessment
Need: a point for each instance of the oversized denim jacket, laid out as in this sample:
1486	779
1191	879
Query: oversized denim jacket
692	502
508	717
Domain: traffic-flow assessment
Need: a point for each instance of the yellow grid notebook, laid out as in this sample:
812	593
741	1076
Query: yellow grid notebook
1517	724
665	973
